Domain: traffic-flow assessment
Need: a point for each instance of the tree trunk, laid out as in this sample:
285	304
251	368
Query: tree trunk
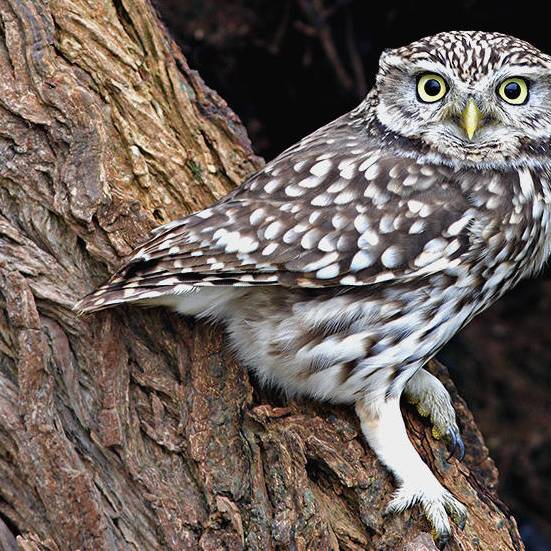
135	429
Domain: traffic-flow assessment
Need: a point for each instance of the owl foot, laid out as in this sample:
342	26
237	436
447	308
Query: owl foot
385	432
432	400
437	504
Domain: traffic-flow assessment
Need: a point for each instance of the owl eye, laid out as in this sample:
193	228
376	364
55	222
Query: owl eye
431	88
513	90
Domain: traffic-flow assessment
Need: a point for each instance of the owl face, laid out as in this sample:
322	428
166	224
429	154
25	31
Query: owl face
472	96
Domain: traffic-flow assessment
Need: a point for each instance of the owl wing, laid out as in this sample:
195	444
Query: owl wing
334	210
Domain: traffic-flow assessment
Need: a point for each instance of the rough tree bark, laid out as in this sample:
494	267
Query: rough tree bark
135	429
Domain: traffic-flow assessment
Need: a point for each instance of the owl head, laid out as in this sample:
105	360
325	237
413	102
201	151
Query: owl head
470	96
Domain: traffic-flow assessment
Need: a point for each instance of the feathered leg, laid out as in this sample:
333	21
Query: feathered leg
385	432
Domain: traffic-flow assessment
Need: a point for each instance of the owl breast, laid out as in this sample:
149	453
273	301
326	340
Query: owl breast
338	346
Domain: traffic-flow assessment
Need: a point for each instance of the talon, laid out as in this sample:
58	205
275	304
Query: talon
457	512
441	540
455	445
452	447
461	445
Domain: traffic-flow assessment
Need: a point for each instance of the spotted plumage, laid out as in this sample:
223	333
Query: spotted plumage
348	261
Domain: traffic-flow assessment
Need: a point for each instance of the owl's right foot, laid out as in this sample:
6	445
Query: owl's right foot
432	400
437	504
385	432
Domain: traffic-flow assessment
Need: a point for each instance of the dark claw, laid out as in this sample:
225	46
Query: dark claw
441	541
456	445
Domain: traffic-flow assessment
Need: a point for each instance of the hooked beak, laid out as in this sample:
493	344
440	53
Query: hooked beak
470	117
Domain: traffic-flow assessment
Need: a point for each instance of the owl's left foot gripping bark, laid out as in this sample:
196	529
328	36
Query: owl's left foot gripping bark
432	400
385	432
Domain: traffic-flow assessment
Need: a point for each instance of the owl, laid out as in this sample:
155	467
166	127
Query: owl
346	263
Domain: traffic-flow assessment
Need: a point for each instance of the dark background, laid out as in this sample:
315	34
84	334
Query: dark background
289	66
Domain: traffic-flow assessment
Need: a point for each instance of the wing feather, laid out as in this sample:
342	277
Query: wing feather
334	210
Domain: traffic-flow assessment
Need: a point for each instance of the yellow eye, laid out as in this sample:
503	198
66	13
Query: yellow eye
514	91
431	87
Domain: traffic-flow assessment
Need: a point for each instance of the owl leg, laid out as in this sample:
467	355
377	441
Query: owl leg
385	432
432	400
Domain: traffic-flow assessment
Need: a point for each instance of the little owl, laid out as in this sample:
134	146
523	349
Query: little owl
350	260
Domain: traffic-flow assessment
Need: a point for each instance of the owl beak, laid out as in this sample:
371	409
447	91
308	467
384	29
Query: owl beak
470	117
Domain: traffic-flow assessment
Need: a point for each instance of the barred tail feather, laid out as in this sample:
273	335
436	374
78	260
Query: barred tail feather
108	296
189	300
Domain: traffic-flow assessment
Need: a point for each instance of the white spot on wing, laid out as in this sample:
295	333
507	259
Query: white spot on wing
339	221
321	263
415	206
321	168
361	223
327	244
337	186
349	280
293	190
344	197
348	172
207	213
386	224
391	257
314	216
269	249
271	186
368	239
257	216
247	245
329	272
273	230
372	171
310	182
361	260
322	200
310	238
417	227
